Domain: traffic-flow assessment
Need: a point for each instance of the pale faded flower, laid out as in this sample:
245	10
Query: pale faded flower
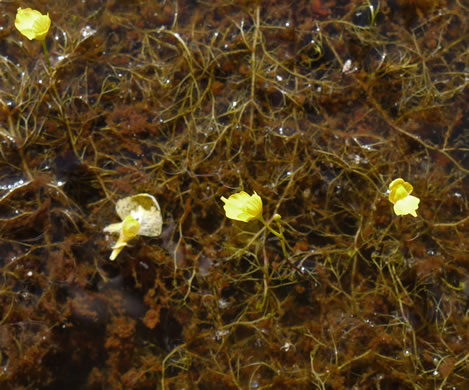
140	215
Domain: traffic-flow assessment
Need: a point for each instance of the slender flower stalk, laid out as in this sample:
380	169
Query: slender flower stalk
244	207
46	52
278	233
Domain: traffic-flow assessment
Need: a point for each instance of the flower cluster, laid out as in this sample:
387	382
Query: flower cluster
141	214
244	207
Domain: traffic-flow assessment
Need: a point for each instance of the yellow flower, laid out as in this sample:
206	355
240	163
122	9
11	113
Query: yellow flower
140	215
127	229
404	203
32	24
242	206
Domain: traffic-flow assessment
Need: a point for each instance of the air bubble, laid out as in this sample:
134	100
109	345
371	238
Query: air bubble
87	31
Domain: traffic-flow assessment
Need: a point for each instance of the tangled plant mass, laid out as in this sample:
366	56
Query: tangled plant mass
317	105
244	207
239	206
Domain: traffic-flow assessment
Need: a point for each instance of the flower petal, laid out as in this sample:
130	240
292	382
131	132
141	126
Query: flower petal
408	205
113	228
399	189
32	24
145	209
130	228
242	206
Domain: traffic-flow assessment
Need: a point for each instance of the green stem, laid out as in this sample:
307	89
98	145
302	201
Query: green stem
280	235
266	224
44	46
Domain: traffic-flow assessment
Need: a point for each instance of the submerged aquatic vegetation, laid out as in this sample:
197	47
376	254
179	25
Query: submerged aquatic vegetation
305	102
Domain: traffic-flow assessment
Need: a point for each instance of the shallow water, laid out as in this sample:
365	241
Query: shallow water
316	107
